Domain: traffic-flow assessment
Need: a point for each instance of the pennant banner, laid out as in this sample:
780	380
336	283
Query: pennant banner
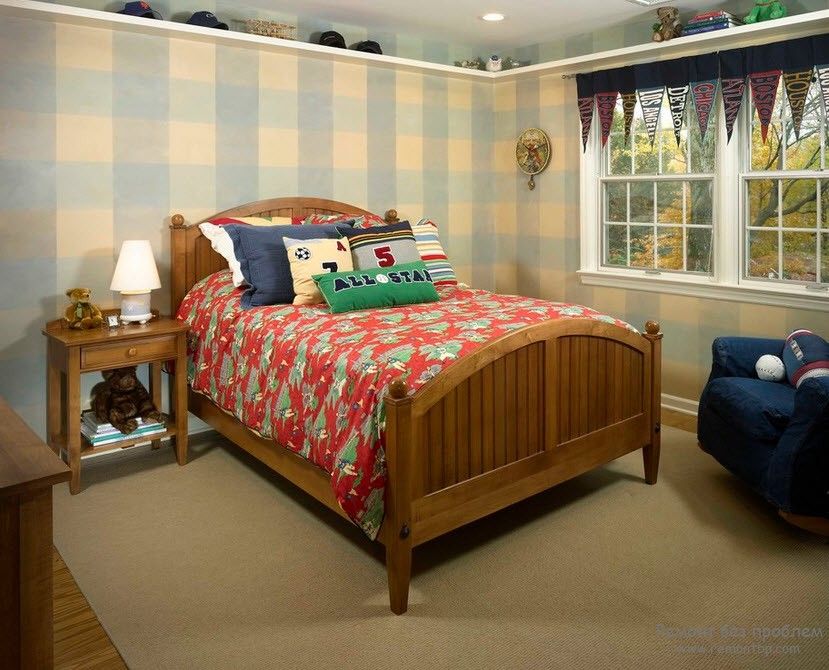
606	103
677	99
797	90
698	77
764	94
650	100
704	92
584	85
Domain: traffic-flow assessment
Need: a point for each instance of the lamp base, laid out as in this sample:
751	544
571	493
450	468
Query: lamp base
135	307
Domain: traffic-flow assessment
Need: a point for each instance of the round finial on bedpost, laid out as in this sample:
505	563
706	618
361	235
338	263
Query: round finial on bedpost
177	220
398	389
652	327
391	216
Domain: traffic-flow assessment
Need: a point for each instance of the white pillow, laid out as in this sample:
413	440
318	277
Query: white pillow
223	245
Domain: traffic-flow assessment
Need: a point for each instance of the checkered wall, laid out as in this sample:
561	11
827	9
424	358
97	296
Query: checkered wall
104	134
540	244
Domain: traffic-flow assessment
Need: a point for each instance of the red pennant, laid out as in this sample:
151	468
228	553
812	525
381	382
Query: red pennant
797	90
606	102
733	91
764	93
629	108
586	115
677	100
704	92
650	99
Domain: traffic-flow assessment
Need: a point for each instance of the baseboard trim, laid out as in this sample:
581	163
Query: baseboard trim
677	404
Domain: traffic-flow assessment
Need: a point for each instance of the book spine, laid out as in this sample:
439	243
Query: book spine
117	435
712	22
717	13
706	29
99	441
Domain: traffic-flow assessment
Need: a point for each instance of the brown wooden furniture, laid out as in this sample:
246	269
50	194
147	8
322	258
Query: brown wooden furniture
523	413
28	470
73	352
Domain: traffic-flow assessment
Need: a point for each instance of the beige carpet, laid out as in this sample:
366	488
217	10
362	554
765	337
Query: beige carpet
222	564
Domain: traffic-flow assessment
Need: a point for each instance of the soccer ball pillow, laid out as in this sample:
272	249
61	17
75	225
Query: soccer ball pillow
805	356
312	257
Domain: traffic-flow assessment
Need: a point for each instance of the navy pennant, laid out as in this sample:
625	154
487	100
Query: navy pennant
650	100
584	84
733	83
677	99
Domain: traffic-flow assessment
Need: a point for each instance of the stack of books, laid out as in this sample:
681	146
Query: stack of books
707	22
98	433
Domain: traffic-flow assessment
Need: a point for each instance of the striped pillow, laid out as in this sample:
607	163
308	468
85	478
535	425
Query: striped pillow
382	246
432	253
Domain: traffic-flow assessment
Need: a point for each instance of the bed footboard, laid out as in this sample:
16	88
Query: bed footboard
526	412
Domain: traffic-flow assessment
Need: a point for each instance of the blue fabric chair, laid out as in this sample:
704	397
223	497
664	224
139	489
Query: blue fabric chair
771	435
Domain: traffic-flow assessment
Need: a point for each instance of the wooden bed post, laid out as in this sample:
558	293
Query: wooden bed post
178	262
650	452
398	523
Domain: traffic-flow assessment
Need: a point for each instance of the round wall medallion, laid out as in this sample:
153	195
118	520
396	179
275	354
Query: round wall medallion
532	151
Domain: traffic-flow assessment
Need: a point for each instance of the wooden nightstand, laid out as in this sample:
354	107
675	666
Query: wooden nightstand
73	352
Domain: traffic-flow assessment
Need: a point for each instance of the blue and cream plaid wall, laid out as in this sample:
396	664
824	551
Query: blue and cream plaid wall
104	134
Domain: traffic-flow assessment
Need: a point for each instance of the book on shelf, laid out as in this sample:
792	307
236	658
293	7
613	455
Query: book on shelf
707	29
112	438
714	14
712	22
99	427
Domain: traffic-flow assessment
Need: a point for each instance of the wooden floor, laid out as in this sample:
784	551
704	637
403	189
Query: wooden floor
82	643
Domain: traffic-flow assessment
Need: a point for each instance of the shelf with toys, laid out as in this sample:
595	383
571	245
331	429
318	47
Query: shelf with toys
801	25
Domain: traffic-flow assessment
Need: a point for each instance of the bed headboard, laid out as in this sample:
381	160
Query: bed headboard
192	258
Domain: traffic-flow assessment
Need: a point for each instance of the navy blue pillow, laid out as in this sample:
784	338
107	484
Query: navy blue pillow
264	260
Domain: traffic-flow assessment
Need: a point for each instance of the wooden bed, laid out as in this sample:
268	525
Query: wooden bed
525	412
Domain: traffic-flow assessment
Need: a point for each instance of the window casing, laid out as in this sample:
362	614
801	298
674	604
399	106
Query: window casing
720	253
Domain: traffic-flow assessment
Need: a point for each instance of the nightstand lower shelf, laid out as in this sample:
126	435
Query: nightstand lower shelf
87	448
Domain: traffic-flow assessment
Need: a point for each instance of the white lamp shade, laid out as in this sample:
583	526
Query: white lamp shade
135	271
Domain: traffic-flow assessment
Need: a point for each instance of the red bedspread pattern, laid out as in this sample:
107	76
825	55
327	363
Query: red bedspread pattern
313	381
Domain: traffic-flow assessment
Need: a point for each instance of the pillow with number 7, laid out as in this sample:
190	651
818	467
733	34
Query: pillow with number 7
313	257
382	246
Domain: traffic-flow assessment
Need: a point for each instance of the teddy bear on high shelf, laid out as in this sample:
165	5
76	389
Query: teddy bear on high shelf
82	314
121	398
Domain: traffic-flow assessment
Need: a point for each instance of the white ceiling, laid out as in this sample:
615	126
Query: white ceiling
457	21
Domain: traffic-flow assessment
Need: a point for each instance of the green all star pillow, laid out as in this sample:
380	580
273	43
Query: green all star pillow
405	284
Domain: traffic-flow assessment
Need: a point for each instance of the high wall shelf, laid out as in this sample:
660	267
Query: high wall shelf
801	25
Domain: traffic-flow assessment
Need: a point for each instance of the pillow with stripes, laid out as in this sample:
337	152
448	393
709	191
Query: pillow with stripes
382	246
432	253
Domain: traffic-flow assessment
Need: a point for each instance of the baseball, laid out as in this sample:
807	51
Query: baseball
770	368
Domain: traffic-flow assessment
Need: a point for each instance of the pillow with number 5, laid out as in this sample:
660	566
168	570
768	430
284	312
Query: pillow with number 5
312	257
382	246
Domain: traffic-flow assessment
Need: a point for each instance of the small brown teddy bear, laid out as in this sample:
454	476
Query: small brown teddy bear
668	26
82	314
120	398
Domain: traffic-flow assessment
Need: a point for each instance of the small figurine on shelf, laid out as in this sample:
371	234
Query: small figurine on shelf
494	64
668	26
766	10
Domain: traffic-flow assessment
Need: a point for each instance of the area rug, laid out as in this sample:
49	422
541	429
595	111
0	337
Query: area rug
222	564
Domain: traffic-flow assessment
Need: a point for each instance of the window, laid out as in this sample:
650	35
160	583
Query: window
744	220
658	199
785	196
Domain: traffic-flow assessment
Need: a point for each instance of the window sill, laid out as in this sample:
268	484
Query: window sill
698	287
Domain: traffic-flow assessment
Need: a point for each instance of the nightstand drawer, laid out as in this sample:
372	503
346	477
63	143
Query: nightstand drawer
121	354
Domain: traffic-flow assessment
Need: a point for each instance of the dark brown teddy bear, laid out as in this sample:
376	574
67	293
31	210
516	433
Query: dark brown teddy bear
120	398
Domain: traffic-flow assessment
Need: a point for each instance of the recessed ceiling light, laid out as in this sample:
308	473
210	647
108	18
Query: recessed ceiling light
493	16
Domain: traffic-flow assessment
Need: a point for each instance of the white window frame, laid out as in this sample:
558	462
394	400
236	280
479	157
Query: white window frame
726	281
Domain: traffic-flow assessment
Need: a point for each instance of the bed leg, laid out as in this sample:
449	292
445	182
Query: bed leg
650	455
399	569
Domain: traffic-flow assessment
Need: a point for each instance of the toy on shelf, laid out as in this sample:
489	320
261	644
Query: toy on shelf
668	26
766	10
82	314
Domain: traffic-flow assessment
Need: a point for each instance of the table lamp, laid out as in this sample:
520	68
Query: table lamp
135	276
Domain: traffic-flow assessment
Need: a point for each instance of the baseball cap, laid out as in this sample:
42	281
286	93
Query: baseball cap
331	38
141	9
369	46
206	20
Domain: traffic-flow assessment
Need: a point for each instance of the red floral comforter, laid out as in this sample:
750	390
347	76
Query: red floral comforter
313	381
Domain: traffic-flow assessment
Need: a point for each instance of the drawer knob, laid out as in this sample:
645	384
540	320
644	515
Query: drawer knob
132	351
